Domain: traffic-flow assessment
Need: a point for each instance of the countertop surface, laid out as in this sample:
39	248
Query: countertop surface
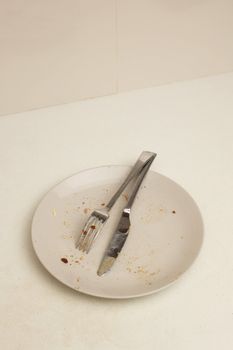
190	126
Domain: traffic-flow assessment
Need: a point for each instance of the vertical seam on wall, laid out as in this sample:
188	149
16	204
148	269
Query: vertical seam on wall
116	47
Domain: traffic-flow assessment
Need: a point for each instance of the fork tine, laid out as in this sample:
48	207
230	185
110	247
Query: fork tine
83	232
89	236
86	234
94	235
89	232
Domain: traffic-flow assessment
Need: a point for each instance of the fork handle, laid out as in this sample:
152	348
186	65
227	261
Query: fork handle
145	158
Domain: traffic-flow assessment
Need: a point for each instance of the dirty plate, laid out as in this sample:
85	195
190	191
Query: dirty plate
165	236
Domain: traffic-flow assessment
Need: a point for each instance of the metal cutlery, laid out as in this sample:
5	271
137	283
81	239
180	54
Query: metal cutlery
98	217
120	235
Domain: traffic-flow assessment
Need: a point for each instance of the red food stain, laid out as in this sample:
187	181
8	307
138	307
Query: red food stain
64	260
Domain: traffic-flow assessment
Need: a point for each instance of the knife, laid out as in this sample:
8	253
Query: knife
121	233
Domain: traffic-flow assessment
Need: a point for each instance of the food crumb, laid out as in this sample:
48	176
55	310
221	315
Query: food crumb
54	212
103	204
64	260
85	210
83	203
81	258
66	223
78	279
93	227
141	269
173	212
125	196
77	261
161	209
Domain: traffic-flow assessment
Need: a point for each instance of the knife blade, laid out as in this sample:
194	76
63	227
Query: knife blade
116	244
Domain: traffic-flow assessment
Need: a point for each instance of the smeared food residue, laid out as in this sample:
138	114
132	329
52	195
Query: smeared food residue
125	195
64	260
67	236
142	272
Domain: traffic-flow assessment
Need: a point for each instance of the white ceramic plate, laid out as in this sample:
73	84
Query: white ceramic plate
165	236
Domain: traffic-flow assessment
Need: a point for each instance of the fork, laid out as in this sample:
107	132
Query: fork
98	217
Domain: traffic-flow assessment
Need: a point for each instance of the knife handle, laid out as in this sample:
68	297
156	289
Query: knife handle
137	186
142	161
